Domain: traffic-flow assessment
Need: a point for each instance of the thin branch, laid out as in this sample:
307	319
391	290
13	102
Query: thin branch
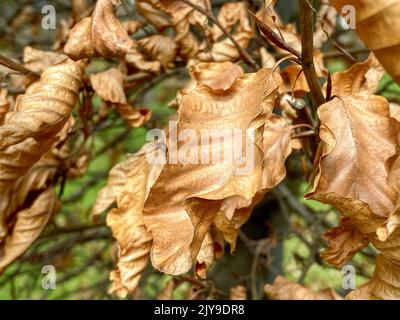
338	54
249	60
307	52
68	230
11	64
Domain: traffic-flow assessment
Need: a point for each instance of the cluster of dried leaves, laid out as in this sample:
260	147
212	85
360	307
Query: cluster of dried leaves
178	216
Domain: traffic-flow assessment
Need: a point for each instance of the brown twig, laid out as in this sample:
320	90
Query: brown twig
11	64
246	57
307	52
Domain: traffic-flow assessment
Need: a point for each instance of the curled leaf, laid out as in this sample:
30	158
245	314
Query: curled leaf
159	48
190	204
384	285
325	26
359	136
133	117
361	79
344	242
205	257
40	114
283	289
230	15
4	105
109	85
29	223
128	185
238	293
377	25
101	35
38	60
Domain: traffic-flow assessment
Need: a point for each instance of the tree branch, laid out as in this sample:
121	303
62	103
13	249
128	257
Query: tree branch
307	52
11	64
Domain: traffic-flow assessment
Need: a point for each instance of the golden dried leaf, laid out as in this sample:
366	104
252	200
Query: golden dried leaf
182	18
377	25
353	176
361	79
128	185
216	75
277	148
287	32
238	293
283	289
38	178
188	196
133	117
267	59
205	258
230	15
326	27
109	85
4	105
236	210
159	48
230	227
156	17
29	223
40	114
38	60
138	60
358	138
384	285
344	242
115	183
100	35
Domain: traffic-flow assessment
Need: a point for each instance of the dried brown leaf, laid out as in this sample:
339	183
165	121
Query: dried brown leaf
344	242
29	223
238	293
377	25
205	258
325	26
109	85
175	201
283	289
156	17
384	285
128	185
100	35
159	48
133	117
230	15
139	61
38	60
4	105
361	79
359	136
40	114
